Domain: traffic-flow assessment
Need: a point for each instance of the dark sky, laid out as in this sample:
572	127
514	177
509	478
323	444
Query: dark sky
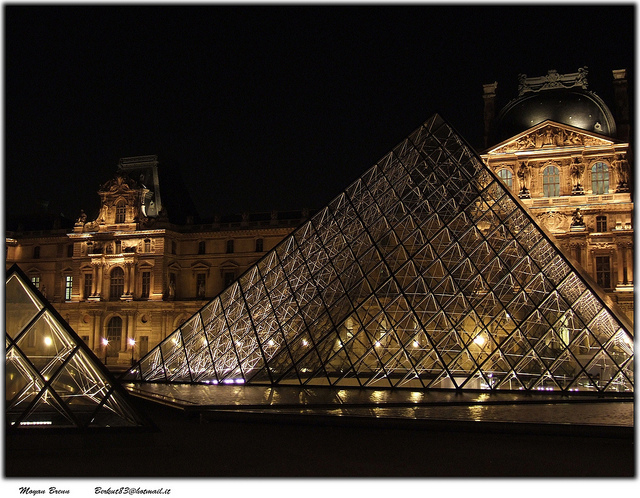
266	107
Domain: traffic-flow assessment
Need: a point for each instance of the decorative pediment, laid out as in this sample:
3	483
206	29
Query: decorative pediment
174	266
550	134
120	183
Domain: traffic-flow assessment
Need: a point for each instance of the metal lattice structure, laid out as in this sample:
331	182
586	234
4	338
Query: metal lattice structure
425	273
52	379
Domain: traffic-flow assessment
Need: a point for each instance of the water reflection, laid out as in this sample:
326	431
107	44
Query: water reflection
406	404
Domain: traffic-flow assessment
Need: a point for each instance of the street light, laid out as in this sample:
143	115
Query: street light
132	343
105	343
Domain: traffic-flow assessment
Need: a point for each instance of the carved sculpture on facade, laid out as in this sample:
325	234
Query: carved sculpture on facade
577	170
578	220
551	135
524	178
621	167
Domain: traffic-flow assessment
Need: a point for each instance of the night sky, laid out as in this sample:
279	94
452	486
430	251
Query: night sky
265	107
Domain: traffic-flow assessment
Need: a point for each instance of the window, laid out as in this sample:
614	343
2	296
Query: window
147	245
36	282
146	284
201	247
506	176
114	335
88	283
116	288
603	271
229	246
70	251
259	245
229	277
36	252
201	281
601	223
121	212
551	181
68	287
600	178
174	247
118	247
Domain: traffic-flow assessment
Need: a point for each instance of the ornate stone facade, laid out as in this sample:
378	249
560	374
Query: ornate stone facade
576	183
131	279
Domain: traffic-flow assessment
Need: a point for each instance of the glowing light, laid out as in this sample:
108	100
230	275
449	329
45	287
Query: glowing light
132	342
415	344
105	341
271	342
304	342
48	341
479	340
378	344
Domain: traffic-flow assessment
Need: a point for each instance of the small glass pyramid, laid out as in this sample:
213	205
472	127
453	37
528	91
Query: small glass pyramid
52	379
425	273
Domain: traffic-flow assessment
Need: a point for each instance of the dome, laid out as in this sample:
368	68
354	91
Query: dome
572	106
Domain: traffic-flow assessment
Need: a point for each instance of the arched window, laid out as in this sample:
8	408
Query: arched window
121	212
506	176
147	245
116	284
259	245
114	336
600	178
551	181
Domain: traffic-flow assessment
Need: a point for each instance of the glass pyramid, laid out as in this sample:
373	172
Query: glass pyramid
425	273
52	379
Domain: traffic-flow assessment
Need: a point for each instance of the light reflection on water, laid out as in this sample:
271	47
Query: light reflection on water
405	404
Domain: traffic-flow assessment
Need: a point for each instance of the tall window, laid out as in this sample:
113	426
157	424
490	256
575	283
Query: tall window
68	287
36	252
601	223
88	283
551	181
229	246
229	277
114	336
201	280
259	245
118	246
201	247
121	212
603	271
36	282
70	251
506	176
600	178
146	284
147	245
116	284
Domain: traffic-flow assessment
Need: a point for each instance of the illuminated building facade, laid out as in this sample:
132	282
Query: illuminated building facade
426	272
559	148
128	278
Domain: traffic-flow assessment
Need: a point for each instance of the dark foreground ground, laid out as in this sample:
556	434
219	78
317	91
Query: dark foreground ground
258	445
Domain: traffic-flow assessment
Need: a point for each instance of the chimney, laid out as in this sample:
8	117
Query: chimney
621	96
489	109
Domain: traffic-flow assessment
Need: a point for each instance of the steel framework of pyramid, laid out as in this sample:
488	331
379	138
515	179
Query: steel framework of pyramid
425	273
52	378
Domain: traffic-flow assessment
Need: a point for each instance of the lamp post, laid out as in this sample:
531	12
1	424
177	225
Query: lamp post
132	343
105	343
